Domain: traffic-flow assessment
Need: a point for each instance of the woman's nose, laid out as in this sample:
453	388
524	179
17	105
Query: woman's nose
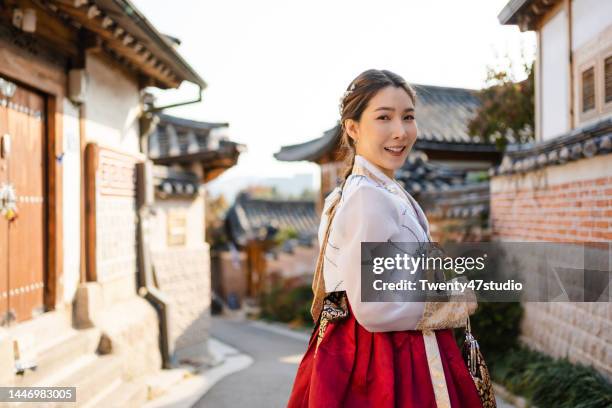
399	130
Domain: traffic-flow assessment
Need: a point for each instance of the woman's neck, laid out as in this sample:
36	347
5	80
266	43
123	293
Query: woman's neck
386	172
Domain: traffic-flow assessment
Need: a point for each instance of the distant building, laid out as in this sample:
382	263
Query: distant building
252	226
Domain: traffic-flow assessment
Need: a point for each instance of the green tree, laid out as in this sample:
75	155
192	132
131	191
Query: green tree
507	111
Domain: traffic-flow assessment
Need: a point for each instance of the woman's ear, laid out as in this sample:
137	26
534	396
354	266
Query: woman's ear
352	129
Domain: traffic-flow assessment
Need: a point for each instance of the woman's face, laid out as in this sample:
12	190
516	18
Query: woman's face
387	129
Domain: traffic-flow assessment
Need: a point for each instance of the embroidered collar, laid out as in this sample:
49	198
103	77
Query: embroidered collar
365	167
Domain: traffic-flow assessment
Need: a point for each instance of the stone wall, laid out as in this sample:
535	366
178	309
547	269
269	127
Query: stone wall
116	237
181	266
183	274
565	203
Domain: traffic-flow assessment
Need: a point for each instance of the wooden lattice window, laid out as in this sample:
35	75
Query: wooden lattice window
608	79
588	89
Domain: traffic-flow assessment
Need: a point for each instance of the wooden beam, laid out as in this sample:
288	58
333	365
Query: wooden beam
91	166
53	286
50	30
83	200
121	44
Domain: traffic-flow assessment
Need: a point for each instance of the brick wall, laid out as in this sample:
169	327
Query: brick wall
565	203
572	211
230	274
299	263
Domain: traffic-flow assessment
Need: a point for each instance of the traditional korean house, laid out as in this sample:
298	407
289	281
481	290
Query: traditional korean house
558	188
459	213
253	225
443	143
185	154
75	301
443	157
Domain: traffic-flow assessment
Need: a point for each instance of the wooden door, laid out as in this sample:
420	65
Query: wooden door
3	223
23	250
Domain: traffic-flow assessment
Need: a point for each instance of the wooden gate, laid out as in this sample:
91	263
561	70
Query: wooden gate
22	178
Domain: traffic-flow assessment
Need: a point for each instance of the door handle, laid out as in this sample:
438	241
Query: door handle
5	146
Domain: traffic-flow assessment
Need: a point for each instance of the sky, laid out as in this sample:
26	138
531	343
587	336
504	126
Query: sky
276	69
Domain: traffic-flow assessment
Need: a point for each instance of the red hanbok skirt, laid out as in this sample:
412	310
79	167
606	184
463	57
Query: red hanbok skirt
356	368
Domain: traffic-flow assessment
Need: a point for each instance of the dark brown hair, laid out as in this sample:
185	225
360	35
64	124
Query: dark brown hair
355	100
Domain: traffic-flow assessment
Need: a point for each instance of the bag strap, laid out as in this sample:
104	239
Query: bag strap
318	281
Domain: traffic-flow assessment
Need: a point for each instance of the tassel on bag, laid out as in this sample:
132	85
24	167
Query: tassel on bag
478	369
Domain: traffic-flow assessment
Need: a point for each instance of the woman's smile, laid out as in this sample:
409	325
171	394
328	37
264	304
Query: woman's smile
396	151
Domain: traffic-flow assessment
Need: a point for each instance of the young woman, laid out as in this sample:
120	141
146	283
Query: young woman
377	354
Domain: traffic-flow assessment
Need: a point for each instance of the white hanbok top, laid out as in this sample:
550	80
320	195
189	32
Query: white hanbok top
373	208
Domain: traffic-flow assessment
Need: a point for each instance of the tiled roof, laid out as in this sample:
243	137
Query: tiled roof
170	182
525	13
178	137
461	201
311	150
258	219
183	142
442	115
584	142
419	175
125	34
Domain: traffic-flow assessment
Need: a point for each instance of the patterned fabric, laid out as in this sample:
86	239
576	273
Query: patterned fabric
450	314
436	371
347	366
329	310
318	282
478	369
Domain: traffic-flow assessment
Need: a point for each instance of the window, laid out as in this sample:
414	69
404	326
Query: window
588	89
608	79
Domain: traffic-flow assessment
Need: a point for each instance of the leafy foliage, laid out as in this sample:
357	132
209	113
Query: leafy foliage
507	111
549	382
216	208
285	303
285	234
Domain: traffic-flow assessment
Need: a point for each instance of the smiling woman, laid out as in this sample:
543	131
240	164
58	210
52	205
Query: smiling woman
377	354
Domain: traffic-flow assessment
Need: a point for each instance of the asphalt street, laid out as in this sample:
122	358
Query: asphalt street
267	382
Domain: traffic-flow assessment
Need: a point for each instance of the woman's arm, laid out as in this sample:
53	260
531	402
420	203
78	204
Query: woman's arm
368	215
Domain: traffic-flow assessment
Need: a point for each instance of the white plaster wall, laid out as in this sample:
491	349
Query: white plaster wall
71	163
112	106
589	18
194	213
555	77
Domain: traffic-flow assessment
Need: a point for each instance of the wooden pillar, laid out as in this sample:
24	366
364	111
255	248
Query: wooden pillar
91	166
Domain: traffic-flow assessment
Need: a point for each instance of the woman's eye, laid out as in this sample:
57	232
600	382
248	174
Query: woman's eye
383	117
409	117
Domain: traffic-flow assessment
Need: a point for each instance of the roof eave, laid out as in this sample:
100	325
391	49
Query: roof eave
525	13
179	62
231	150
508	15
122	31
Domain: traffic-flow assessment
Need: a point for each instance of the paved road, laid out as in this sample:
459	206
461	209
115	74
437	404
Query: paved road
267	382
